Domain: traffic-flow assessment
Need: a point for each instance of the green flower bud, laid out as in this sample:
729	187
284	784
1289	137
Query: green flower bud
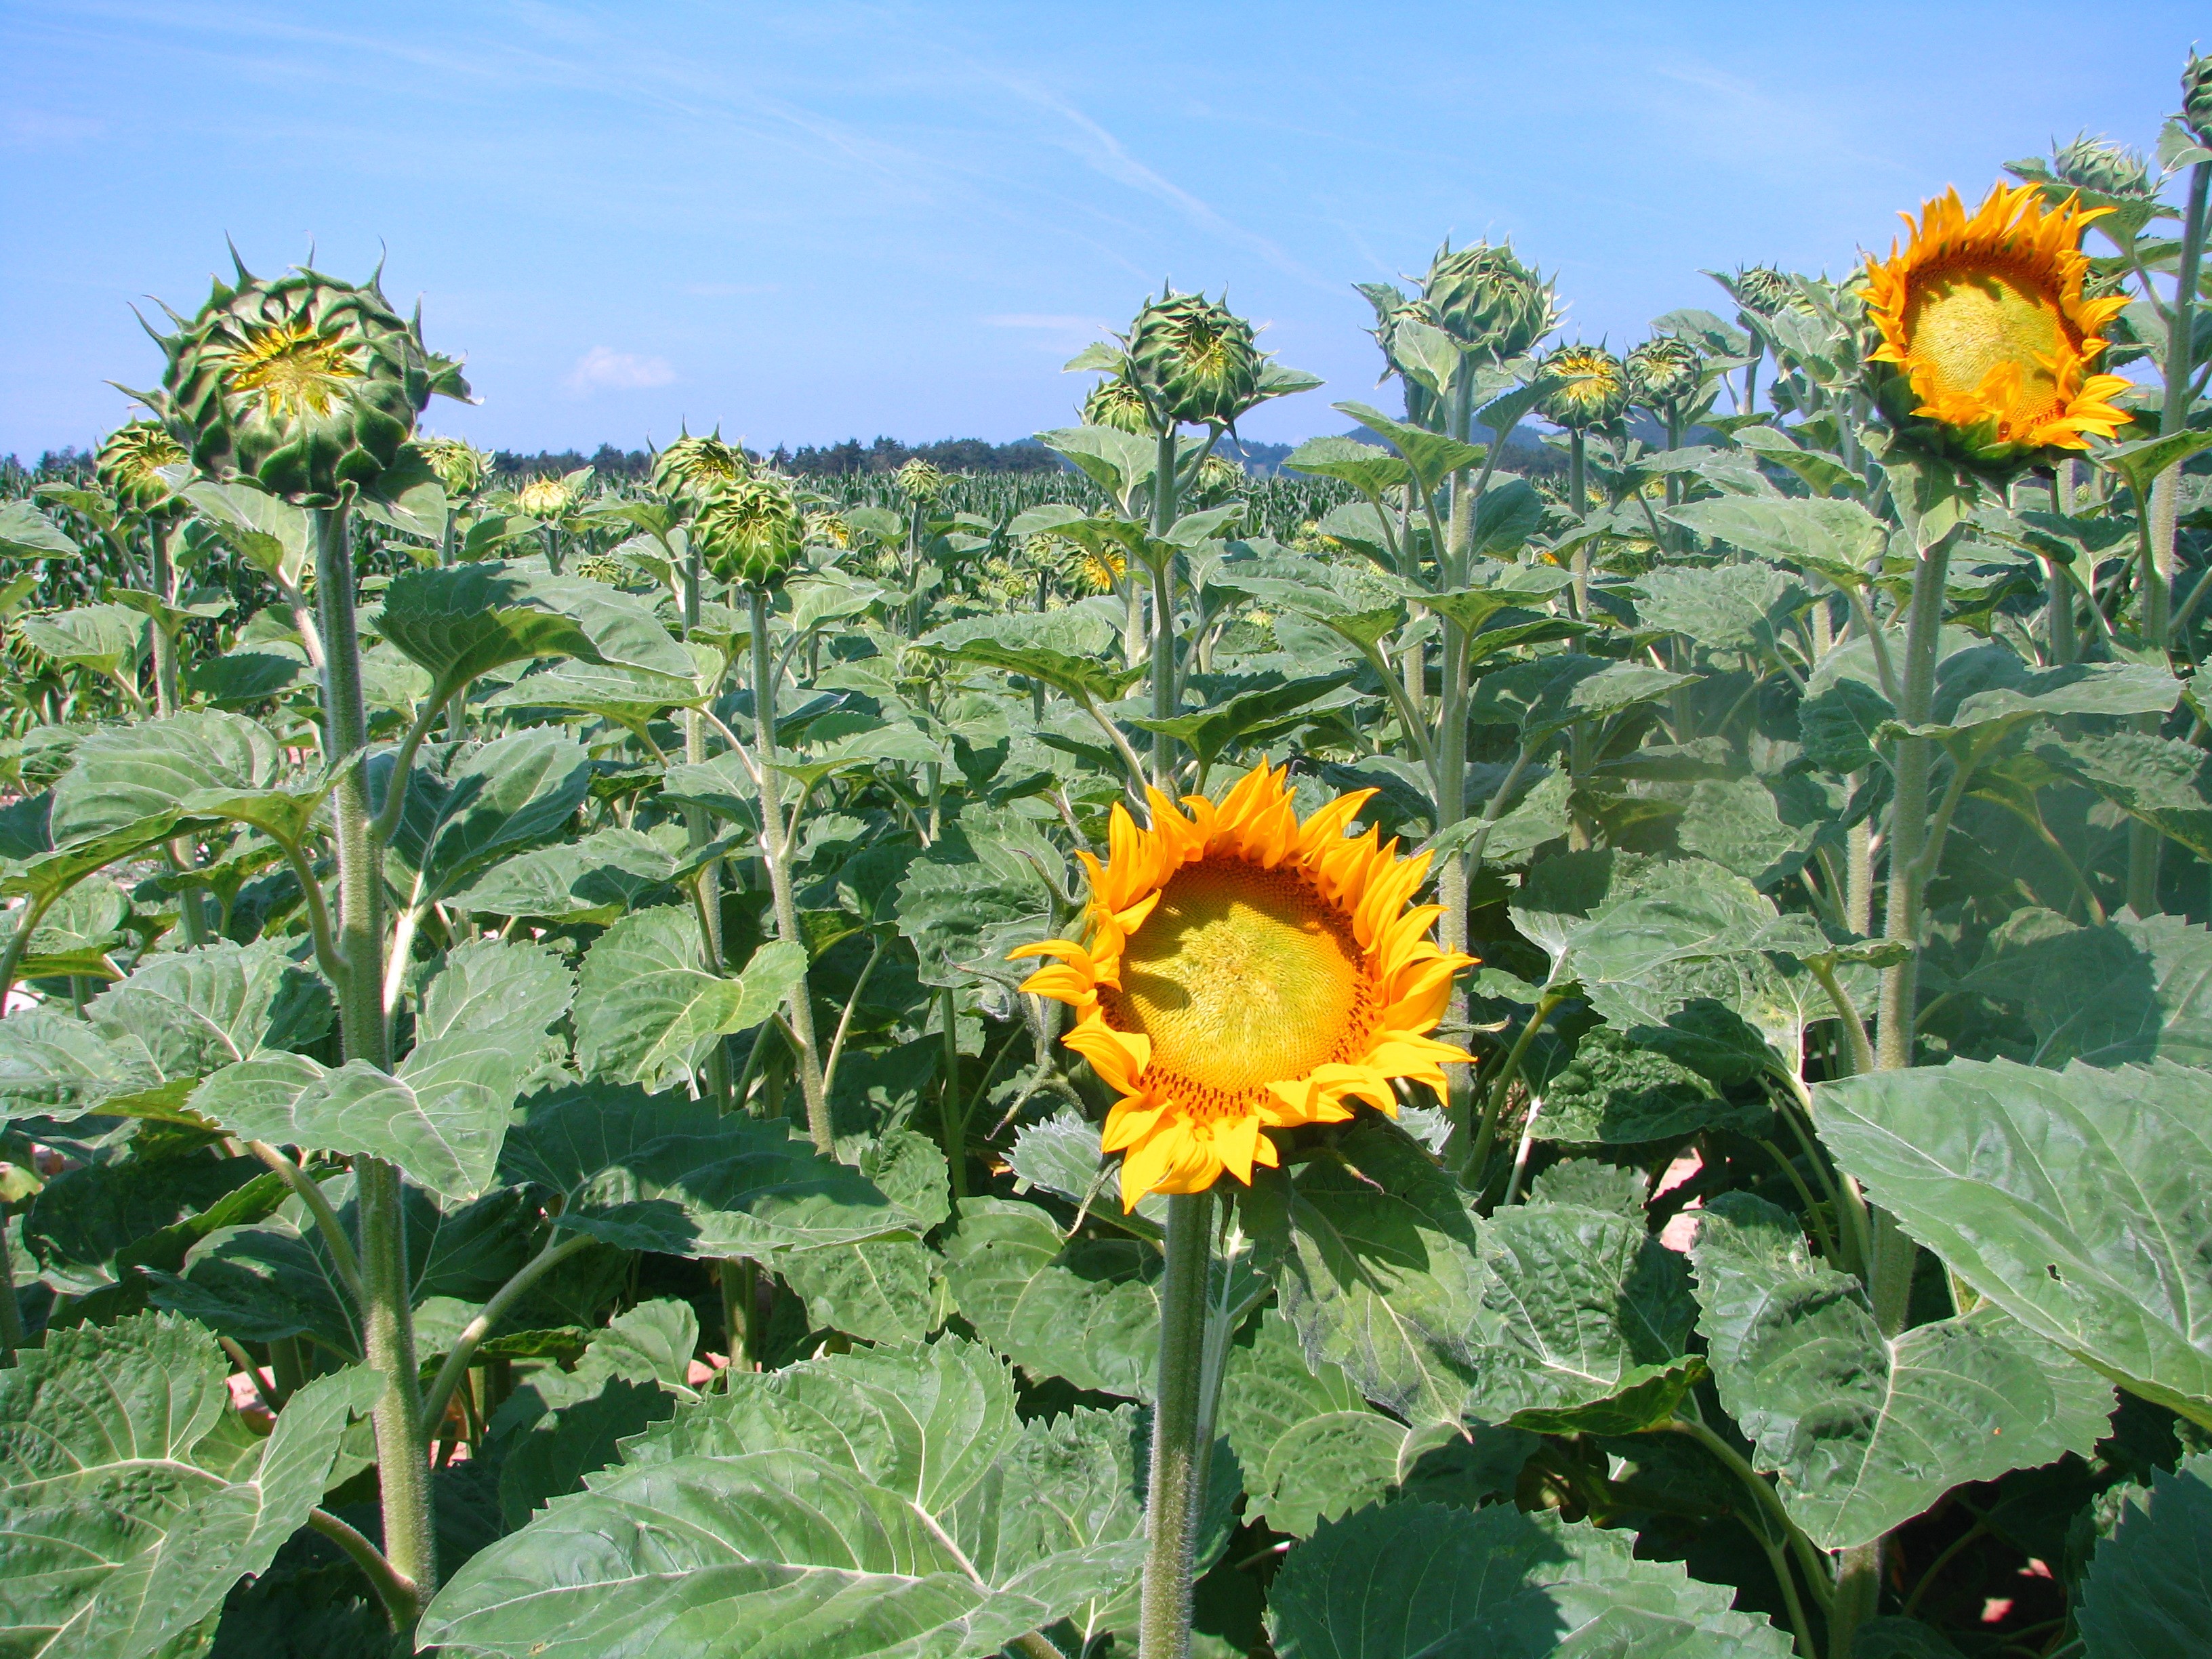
695	467
2107	168
459	465
305	387
2197	97
549	499
1217	477
918	481
128	465
1486	299
1663	372
1197	358
1588	387
1763	291
749	531
1117	402
826	529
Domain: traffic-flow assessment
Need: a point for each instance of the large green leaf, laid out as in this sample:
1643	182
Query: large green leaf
84	1220
441	1117
978	891
123	776
1065	649
1835	539
1550	694
107	639
1866	1432
463	622
1653	937
2164	781
128	1513
593	880
667	1173
469	805
2079	1201
1312	1449
1382	1276
647	1009
187	1013
2001	692
2148	1592
1087	1309
2132	990
877	1503
1262	712
28	533
628	695
1585	1322
1413	1581
1729	607
55	1064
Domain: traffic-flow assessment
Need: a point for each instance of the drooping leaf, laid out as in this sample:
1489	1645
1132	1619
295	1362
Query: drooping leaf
1866	1432
2076	1200
126	775
459	623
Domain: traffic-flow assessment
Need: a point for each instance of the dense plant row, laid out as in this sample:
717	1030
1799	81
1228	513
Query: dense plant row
1395	1062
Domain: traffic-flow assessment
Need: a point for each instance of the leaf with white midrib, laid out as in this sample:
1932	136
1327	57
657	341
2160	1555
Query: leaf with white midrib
2079	1201
1866	1432
884	1503
648	1012
129	1509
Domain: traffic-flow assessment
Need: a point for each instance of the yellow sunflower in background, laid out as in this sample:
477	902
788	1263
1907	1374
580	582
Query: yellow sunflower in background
1992	339
1245	971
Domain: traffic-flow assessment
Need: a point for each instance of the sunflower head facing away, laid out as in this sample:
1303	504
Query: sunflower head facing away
1986	336
1244	971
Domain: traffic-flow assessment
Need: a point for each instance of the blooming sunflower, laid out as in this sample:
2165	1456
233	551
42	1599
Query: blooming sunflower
1245	971
1990	334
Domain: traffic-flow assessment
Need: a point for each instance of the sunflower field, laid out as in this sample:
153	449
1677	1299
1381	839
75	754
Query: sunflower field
1427	1057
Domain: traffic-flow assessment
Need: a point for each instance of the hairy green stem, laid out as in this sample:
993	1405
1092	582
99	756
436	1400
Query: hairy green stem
1494	1099
309	1192
401	1596
402	1440
777	834
1908	835
1173	1481
557	1250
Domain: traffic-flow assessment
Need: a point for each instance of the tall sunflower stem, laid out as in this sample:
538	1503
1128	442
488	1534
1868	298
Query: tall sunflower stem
778	835
387	1321
1174	1479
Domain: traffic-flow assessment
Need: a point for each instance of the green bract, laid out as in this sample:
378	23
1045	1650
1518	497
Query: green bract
130	462
305	387
1195	359
749	531
460	466
1663	372
1585	386
1488	300
695	467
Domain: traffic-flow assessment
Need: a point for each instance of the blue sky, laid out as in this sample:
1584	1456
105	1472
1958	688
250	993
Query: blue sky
814	221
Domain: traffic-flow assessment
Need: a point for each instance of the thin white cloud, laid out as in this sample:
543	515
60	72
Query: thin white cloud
601	369
1053	322
1104	153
